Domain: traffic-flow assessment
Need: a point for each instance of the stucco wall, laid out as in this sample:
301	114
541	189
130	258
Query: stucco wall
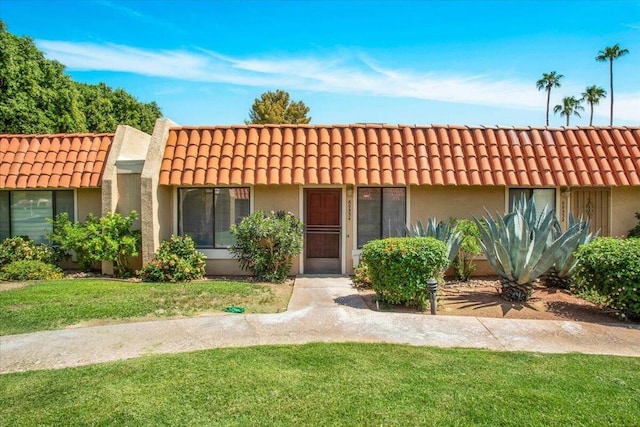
277	198
156	210
454	202
625	202
129	196
89	201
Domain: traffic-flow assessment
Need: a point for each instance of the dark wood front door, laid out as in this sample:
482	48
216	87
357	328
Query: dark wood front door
322	231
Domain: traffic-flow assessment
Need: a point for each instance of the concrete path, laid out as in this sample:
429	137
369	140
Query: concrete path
321	310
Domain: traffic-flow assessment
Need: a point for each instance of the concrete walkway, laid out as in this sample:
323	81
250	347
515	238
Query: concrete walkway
321	310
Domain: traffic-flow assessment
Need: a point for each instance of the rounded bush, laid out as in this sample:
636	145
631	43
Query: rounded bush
611	267
30	270
267	242
22	248
177	260
400	267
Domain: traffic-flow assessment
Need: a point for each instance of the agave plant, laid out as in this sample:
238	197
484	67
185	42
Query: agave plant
521	246
441	231
560	274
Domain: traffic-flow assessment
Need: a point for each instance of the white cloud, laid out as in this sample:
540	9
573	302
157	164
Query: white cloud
344	73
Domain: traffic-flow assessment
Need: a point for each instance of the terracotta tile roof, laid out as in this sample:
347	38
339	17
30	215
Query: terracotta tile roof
53	161
401	155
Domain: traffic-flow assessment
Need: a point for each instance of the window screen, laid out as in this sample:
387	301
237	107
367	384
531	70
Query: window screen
381	213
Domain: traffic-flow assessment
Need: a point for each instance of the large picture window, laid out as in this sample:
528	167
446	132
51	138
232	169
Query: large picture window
381	213
26	213
206	214
541	196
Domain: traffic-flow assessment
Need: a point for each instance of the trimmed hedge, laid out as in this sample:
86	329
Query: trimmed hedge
611	267
177	260
22	248
30	270
400	267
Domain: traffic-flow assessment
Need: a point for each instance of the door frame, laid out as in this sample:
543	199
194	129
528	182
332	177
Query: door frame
343	221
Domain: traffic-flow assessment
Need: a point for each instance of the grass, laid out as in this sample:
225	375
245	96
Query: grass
332	384
55	304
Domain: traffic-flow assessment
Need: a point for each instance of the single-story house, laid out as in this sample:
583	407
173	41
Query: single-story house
348	183
353	183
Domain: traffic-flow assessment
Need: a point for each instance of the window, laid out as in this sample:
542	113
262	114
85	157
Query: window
207	214
542	197
25	213
381	213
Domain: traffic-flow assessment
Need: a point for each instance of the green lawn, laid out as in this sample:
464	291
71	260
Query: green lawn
55	304
332	384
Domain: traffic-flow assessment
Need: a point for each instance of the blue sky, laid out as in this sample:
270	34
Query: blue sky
413	62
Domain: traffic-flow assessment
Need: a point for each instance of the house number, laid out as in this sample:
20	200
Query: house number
349	210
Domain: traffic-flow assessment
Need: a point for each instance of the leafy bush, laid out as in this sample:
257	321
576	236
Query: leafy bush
22	248
635	231
266	243
611	267
444	231
400	267
108	238
177	260
361	278
30	270
463	265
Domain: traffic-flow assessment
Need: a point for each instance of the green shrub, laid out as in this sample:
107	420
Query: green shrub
177	260
266	243
444	231
30	270
22	248
361	278
108	238
463	265
611	267
635	231
400	267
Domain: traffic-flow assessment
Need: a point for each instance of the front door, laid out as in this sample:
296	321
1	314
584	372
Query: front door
592	204
322	231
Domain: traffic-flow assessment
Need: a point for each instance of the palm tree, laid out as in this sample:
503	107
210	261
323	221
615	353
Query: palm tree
609	54
593	95
548	81
570	105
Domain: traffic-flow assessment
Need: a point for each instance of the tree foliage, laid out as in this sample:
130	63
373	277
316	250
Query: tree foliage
36	96
592	95
570	106
547	82
277	108
610	54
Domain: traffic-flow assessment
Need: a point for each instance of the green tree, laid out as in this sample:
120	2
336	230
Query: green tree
593	94
276	107
570	106
36	96
610	54
547	82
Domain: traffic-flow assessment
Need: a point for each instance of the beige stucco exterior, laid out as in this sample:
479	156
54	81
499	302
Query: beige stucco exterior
625	202
121	178
444	202
156	202
88	201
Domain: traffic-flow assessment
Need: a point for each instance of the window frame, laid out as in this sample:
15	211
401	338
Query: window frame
382	210
530	191
54	206
210	251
